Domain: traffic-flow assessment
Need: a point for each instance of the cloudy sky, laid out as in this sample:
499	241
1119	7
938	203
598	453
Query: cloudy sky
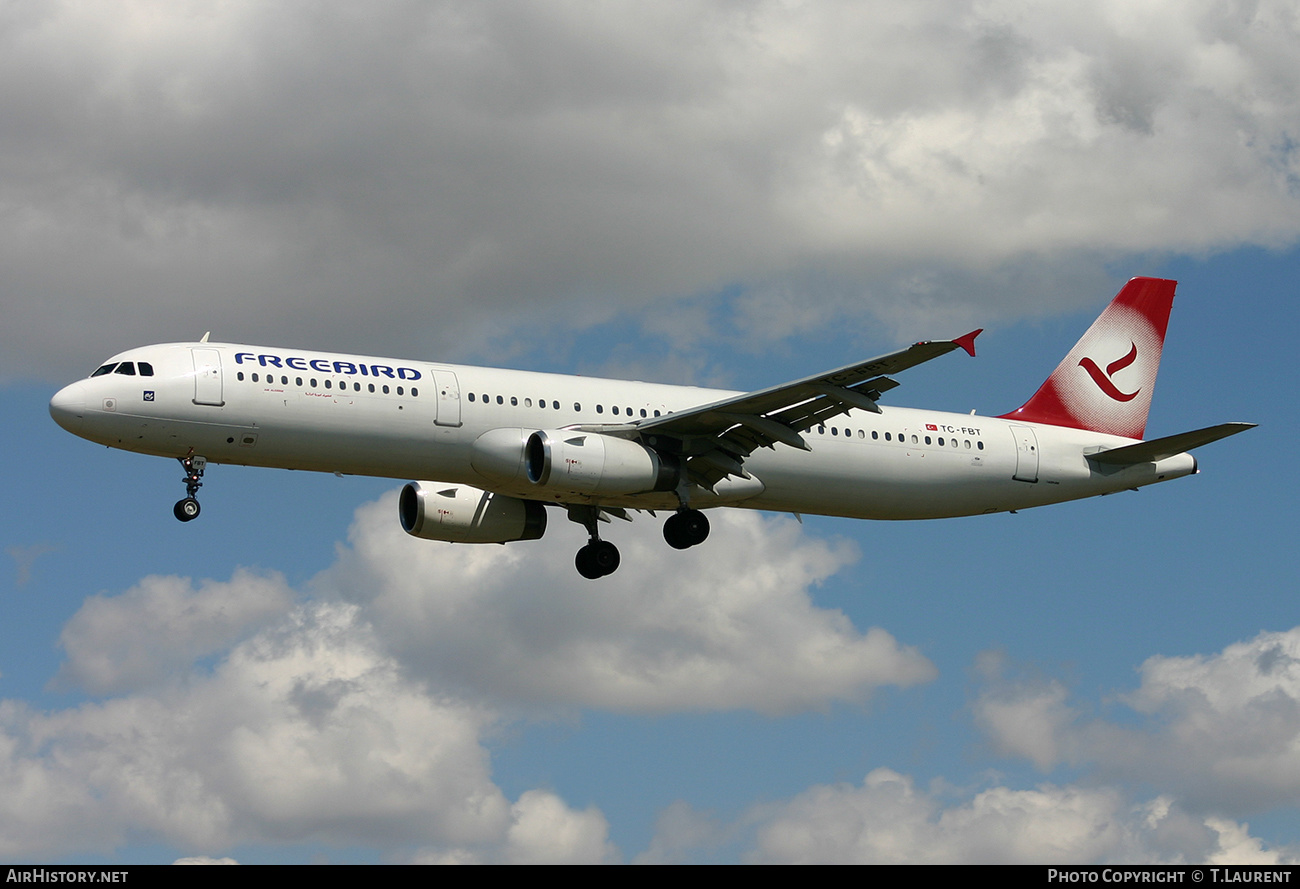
715	193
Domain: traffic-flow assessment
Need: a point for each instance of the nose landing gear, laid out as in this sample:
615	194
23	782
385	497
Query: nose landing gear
187	510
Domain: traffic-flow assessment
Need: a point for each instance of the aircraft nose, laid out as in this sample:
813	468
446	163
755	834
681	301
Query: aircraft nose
68	406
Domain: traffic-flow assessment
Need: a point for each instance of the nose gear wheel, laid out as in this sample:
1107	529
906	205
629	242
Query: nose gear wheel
187	510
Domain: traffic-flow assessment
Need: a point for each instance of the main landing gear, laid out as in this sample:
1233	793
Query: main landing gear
187	510
599	557
686	528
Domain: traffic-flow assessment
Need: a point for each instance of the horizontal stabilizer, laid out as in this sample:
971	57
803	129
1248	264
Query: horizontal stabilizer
1160	448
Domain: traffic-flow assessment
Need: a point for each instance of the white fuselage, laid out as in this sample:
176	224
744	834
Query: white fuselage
360	415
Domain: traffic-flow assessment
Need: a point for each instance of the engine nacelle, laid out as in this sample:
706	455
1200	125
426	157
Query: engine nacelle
565	461
465	514
498	455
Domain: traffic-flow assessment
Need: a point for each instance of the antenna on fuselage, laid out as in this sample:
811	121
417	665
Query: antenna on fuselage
205	336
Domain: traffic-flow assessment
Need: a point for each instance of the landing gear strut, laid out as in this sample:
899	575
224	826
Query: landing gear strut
599	557
686	528
187	510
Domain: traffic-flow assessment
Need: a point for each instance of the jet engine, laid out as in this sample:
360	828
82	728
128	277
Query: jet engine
464	514
566	461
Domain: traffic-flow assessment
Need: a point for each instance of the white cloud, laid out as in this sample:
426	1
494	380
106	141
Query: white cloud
363	720
727	625
1222	731
889	820
158	628
544	830
1027	717
304	732
211	164
1216	736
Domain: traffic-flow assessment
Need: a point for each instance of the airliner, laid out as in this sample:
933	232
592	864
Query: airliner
494	449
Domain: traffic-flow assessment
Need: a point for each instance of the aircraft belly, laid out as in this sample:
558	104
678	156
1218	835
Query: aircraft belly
874	481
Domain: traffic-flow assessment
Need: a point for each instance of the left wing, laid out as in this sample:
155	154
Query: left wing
716	438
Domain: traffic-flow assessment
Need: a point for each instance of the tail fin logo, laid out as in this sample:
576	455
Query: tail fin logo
1113	398
1103	378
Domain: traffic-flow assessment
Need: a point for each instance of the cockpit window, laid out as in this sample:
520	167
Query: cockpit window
106	369
126	368
146	369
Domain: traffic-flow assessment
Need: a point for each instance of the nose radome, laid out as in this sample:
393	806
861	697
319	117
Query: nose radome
68	406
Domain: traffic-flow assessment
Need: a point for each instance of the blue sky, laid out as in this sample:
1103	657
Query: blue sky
580	189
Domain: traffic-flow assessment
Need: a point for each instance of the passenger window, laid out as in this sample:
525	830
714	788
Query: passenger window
614	409
980	445
600	408
328	383
577	408
500	400
415	393
643	412
514	402
528	402
471	395
385	388
370	387
298	382
399	390
555	405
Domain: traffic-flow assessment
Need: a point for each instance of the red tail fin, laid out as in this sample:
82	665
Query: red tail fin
1106	381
